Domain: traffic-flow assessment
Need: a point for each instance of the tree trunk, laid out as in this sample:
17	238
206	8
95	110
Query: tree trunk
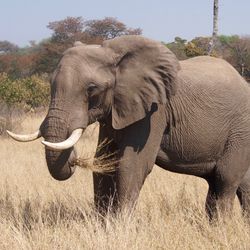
215	27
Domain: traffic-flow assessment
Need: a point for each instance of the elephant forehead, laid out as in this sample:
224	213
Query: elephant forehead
89	54
73	71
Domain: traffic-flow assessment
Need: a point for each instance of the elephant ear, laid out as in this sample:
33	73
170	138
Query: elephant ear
145	74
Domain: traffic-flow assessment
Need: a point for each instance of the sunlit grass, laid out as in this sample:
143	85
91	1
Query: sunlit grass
37	212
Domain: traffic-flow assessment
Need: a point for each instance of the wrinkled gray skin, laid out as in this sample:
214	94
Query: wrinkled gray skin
191	117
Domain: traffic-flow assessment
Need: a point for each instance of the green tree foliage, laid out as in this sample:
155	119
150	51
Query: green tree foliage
234	49
198	47
191	50
28	93
178	47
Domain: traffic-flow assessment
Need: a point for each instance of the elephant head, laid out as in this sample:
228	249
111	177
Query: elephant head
119	80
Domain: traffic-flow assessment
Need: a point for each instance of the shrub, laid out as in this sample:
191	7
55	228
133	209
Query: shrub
28	93
18	96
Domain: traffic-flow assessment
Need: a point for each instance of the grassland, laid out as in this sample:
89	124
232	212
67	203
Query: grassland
37	212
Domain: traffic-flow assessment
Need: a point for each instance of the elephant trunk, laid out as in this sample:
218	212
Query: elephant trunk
60	163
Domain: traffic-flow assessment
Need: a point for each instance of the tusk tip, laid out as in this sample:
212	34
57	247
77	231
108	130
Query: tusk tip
9	133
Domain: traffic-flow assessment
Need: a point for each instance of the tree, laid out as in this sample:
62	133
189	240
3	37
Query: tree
7	47
18	65
236	50
178	47
44	56
65	33
67	30
71	29
17	62
109	28
29	92
215	27
197	47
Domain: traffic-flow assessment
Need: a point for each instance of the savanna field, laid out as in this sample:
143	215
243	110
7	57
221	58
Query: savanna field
37	212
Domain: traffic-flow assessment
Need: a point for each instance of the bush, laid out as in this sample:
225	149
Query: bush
18	96
28	93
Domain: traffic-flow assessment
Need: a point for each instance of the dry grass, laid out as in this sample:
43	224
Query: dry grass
37	212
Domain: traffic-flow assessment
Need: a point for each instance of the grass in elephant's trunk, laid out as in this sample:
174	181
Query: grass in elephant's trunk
98	166
104	164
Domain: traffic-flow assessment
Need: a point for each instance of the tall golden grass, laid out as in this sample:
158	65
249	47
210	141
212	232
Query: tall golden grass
37	212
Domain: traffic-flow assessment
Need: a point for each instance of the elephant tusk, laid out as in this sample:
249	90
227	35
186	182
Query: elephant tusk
68	143
25	138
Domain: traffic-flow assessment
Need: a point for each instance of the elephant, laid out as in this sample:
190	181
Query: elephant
190	117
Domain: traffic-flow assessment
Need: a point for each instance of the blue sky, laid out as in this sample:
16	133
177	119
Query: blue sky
25	20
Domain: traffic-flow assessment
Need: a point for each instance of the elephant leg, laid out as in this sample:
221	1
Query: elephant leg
134	150
130	177
243	193
224	182
104	183
211	200
220	198
104	192
139	147
120	189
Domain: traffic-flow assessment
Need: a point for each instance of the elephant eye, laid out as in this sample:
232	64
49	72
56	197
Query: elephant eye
91	89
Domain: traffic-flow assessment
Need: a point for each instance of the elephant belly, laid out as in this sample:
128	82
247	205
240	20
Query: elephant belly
187	150
201	169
